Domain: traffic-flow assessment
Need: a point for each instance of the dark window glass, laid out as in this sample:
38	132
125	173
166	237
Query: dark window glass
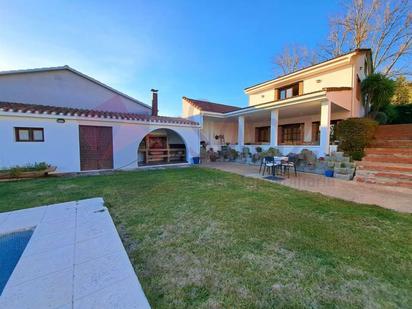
262	134
29	134
288	91
291	133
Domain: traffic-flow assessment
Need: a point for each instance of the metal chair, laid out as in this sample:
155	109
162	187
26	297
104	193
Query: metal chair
269	165
288	165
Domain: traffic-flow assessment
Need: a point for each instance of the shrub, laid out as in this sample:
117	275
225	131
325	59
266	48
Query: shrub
354	134
380	117
271	152
403	114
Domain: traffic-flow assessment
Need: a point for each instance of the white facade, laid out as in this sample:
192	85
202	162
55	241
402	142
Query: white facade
71	90
61	140
65	87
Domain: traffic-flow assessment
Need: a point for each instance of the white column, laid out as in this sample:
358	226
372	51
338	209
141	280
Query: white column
241	132
274	121
324	127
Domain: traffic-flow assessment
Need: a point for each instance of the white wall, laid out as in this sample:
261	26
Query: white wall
192	113
61	145
212	127
262	97
64	88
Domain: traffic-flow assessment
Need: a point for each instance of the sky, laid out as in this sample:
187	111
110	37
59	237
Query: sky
201	49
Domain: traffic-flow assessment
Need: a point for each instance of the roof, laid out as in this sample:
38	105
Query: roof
358	50
68	68
88	113
210	106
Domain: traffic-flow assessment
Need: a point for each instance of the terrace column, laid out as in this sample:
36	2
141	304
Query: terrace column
324	127
274	120
241	132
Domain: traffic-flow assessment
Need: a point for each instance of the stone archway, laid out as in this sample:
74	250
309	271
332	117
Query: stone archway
162	146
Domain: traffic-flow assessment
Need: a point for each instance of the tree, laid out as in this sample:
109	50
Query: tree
293	58
402	91
383	26
377	91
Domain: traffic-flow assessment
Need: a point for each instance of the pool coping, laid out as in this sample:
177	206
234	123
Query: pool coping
74	259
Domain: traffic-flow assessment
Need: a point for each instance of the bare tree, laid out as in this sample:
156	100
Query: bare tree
383	26
293	58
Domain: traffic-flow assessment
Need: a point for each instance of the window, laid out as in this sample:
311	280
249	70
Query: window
29	134
315	132
292	133
358	88
262	134
288	91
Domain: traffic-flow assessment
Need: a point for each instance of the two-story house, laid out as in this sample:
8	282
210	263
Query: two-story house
292	112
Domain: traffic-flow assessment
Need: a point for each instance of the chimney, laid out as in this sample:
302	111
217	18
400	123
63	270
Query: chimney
155	110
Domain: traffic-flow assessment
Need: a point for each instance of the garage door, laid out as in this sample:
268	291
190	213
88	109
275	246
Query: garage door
96	148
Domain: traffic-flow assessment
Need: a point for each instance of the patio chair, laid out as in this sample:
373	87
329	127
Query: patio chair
262	163
288	165
269	165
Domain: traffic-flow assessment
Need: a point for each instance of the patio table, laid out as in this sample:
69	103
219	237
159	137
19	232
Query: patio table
278	161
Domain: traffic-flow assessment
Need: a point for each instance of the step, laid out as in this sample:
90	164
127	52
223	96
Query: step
388	158
388	151
384	181
393	137
400	129
393	143
381	166
406	176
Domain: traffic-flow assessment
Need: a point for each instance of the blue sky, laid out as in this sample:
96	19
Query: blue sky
200	49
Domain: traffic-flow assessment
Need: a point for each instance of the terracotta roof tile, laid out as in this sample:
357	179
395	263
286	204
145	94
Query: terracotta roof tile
77	112
210	106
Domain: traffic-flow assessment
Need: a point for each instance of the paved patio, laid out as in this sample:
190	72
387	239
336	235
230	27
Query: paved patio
74	259
399	199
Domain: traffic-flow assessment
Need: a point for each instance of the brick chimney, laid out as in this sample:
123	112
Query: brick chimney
155	109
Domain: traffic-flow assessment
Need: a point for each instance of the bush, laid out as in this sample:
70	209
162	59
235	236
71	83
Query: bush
354	134
380	117
271	152
403	114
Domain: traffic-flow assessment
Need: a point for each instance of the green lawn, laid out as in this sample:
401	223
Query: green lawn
208	239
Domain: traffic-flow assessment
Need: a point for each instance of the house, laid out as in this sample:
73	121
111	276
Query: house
76	123
292	112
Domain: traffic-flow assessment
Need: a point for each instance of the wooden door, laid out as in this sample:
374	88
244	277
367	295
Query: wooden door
96	148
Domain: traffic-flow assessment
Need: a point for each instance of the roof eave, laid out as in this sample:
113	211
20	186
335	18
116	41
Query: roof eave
341	58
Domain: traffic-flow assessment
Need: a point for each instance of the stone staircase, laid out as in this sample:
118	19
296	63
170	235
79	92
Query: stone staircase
388	160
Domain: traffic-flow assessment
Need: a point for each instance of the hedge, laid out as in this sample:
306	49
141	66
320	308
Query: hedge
403	114
354	134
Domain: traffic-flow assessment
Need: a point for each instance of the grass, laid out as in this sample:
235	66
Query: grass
209	239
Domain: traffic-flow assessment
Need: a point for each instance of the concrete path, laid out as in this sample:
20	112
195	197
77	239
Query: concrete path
399	199
74	259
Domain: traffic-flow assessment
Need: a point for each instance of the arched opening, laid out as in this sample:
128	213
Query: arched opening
162	146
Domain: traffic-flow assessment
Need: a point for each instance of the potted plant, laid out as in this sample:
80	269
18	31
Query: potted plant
344	171
329	171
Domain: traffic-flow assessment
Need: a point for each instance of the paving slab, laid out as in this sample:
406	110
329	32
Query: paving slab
74	259
399	199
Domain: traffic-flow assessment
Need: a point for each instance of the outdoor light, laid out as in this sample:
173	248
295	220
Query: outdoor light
60	120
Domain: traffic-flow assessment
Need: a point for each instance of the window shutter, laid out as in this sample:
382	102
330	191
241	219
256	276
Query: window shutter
301	87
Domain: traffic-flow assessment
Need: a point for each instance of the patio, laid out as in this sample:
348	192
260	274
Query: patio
394	198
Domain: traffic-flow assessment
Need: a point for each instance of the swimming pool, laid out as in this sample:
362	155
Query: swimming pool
12	246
